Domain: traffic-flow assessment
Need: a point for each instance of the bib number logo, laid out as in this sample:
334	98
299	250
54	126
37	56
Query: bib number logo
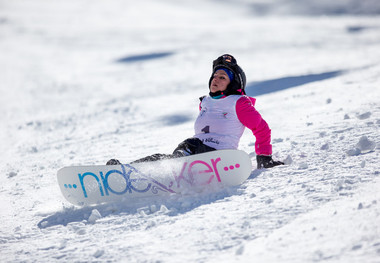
206	129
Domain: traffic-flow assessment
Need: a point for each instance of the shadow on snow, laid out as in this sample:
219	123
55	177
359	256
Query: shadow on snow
142	57
175	119
176	205
268	86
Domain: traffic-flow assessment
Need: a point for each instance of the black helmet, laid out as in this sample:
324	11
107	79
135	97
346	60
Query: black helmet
237	85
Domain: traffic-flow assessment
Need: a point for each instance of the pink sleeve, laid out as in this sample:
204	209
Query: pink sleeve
252	119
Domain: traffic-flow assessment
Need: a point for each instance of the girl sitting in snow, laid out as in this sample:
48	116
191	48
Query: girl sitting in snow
222	118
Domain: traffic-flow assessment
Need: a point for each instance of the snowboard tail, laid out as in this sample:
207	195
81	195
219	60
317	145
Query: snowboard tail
86	185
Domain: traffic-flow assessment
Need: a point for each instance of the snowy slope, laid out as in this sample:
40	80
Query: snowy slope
85	81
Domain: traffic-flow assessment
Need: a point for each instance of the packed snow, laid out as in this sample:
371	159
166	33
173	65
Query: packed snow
86	81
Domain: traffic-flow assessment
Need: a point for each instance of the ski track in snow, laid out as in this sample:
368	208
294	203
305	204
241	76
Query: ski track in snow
83	82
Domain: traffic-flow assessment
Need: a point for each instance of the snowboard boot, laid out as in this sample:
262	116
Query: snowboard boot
113	162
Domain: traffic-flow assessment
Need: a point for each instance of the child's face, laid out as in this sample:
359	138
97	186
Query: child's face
220	81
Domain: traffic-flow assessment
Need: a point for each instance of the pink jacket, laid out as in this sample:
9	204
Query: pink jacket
251	118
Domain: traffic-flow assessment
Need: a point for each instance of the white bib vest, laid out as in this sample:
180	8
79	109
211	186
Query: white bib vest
217	124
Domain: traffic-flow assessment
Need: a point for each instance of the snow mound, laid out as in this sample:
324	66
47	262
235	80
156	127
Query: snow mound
363	146
95	215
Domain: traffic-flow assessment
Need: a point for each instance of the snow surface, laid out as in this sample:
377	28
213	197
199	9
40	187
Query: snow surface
83	81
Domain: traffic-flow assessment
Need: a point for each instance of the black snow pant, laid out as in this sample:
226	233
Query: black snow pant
189	146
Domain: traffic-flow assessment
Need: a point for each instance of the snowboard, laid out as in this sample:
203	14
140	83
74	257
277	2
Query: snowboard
88	185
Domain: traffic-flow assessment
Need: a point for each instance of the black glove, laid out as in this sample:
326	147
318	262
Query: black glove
265	161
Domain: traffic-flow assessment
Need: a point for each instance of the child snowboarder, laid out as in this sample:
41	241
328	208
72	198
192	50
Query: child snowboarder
222	118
